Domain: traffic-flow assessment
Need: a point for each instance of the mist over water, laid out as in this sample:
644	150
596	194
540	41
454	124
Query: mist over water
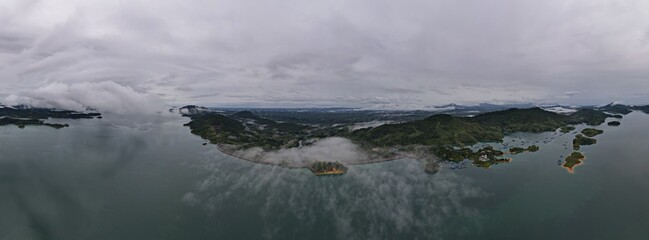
386	200
329	149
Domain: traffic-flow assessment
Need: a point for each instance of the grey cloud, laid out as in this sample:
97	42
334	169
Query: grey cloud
645	39
205	95
104	96
572	93
418	53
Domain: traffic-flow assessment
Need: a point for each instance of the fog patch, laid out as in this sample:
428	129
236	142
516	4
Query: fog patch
370	124
328	149
105	96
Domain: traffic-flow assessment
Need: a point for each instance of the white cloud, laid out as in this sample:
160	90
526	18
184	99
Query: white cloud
328	149
104	96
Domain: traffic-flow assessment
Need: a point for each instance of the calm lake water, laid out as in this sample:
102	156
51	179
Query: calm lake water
141	179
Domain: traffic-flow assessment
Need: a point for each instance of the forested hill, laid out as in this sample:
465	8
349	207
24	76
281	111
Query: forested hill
487	127
521	120
246	130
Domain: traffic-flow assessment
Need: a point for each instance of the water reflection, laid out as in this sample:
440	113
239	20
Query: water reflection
152	179
388	200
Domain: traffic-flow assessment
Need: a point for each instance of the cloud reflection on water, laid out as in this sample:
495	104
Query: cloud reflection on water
395	199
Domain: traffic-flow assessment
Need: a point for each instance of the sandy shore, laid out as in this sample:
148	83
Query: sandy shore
571	169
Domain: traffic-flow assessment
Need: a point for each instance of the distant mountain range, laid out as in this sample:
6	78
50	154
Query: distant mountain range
469	110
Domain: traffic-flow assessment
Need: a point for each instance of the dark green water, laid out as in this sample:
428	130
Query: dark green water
113	179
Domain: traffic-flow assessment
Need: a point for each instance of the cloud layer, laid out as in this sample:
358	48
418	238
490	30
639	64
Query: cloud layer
104	96
361	53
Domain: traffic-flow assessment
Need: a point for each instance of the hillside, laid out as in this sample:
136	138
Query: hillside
521	120
216	128
587	116
616	108
487	127
246	130
644	108
434	130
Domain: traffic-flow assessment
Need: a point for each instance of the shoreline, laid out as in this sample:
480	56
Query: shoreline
571	170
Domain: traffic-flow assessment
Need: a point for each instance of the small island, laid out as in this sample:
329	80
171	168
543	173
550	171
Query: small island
573	160
591	132
517	150
567	129
581	140
22	116
485	157
26	112
614	123
21	123
320	168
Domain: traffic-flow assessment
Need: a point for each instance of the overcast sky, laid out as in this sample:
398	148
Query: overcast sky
326	53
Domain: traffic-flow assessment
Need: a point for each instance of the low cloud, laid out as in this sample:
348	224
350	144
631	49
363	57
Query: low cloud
106	96
328	149
572	93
